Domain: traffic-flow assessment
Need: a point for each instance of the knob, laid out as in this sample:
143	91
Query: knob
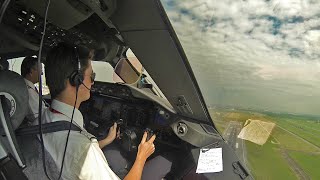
182	129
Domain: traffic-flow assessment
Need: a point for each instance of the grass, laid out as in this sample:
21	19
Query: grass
305	133
312	126
266	162
221	119
308	162
221	127
290	142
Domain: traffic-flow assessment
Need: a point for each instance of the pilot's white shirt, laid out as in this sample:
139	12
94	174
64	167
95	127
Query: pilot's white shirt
84	159
33	103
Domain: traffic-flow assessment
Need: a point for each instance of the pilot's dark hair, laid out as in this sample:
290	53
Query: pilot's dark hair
4	65
28	63
61	62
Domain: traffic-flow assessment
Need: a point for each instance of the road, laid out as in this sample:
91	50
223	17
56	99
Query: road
238	145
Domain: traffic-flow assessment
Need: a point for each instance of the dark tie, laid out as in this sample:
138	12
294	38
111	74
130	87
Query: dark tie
35	88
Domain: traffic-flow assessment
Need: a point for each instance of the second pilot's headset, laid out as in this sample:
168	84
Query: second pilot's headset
76	77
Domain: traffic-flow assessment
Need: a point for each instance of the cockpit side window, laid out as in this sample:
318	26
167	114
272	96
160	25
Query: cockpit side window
145	77
103	70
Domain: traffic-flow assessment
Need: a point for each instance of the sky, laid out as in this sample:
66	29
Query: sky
257	54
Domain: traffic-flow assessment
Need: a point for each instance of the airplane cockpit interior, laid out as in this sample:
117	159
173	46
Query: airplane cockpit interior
154	91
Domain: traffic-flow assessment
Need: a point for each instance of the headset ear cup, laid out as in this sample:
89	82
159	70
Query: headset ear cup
79	79
72	78
76	79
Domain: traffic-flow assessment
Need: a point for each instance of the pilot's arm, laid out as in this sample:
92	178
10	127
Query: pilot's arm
111	136
145	149
95	165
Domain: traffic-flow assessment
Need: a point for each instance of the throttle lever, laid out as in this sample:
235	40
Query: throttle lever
150	133
119	123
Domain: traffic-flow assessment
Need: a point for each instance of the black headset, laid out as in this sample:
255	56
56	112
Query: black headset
76	77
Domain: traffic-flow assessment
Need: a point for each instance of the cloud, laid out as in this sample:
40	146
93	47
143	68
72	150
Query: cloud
275	23
293	72
237	48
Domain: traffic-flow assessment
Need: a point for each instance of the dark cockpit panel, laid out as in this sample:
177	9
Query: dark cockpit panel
112	102
23	25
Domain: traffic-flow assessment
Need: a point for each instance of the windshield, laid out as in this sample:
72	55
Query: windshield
257	65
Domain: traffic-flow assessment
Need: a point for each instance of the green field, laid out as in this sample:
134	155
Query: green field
309	163
294	143
306	131
266	162
313	127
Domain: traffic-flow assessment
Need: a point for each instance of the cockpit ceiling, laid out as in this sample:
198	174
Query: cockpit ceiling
138	16
23	25
144	27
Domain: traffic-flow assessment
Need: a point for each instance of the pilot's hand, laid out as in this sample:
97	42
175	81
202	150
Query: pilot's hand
111	136
112	133
146	148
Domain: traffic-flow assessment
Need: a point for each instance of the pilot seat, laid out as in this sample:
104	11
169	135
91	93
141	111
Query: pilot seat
20	156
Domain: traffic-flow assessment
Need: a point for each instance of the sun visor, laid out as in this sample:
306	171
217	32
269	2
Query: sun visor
62	13
107	51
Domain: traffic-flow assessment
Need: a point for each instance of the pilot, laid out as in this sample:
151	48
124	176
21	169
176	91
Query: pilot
69	85
30	73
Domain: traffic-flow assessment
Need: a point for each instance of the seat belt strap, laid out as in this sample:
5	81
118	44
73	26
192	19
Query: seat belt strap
47	128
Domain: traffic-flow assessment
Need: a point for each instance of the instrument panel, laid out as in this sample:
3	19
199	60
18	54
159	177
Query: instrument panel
111	103
112	89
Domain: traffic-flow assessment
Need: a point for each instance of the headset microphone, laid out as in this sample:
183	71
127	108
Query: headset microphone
86	87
